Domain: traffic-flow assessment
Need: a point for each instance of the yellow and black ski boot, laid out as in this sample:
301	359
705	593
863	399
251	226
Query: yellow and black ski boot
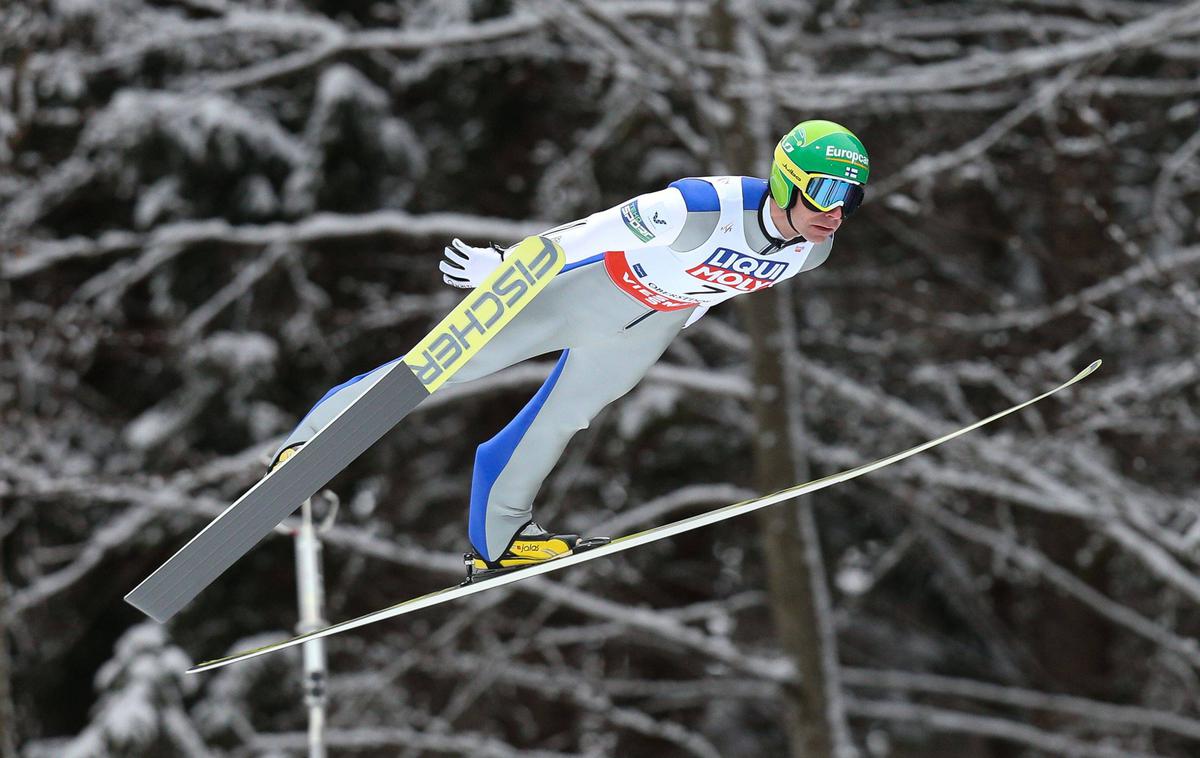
283	456
531	545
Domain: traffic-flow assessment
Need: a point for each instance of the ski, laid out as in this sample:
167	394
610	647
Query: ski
526	269
629	541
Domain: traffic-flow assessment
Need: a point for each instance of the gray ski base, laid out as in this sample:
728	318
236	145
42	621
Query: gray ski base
242	525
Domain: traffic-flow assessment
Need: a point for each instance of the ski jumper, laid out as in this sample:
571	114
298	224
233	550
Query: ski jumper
636	274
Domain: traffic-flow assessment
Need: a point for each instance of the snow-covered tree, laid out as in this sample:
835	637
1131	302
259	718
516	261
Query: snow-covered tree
212	211
140	711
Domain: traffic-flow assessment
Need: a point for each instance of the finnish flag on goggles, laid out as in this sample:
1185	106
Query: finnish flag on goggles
826	193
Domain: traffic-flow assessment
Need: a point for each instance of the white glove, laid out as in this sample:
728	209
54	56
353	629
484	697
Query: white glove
465	267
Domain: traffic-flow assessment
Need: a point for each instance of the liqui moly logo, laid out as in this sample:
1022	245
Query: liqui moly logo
735	271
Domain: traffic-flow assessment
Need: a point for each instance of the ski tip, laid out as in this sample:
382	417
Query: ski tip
1090	369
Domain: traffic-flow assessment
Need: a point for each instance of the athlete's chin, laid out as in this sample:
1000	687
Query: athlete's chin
818	234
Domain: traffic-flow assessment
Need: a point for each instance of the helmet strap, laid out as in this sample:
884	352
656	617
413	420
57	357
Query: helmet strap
792	201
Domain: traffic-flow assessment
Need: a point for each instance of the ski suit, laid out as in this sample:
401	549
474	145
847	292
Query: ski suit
635	275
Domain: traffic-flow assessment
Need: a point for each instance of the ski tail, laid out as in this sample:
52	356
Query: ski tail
633	540
525	271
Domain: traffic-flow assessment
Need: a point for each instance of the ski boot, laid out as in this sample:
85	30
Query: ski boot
530	546
284	455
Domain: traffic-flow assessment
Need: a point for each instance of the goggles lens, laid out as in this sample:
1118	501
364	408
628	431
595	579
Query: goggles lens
824	193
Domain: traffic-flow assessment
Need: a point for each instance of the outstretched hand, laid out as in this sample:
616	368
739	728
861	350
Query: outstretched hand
465	266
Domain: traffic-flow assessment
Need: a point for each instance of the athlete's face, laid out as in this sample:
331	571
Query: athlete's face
814	226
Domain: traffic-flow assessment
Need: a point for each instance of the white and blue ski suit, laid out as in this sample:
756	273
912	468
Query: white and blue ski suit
636	274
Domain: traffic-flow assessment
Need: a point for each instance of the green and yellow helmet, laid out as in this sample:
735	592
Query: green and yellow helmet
822	163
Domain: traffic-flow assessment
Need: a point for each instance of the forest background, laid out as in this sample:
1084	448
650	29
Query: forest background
212	211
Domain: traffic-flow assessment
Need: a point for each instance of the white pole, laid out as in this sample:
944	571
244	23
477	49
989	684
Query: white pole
311	587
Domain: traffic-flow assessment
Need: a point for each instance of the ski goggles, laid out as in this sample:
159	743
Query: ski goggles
819	192
824	193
